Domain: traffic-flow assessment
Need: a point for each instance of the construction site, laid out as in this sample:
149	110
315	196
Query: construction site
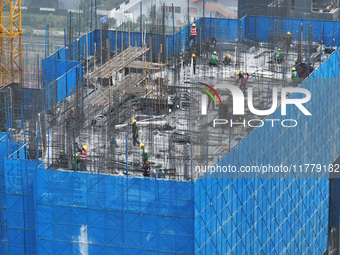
95	92
121	76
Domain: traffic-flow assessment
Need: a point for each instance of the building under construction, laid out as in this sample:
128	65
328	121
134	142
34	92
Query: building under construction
94	87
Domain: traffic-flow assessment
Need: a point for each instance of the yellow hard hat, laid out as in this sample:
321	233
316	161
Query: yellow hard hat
193	55
134	121
288	33
84	147
244	72
293	69
237	73
72	109
215	52
141	145
228	56
61	151
278	49
295	60
76	155
194	25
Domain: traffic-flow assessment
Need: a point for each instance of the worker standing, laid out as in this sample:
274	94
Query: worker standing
244	80
194	62
193	34
295	63
278	56
83	157
145	154
75	162
147	169
135	130
214	59
294	76
227	60
288	41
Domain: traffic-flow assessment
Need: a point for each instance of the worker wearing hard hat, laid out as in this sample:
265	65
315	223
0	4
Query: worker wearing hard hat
145	154
193	34
213	59
194	62
288	41
147	169
227	60
278	56
75	162
83	157
243	76
135	131
294	76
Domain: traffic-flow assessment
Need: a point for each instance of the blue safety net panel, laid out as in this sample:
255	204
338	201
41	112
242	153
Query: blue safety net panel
275	216
20	206
262	28
3	205
261	216
63	87
335	203
101	214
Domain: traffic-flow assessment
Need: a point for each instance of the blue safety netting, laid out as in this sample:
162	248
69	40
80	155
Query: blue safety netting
99	214
261	216
64	86
275	216
20	212
49	211
262	28
17	225
53	69
334	208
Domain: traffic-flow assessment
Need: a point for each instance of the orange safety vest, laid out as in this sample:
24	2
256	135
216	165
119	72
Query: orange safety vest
193	31
83	156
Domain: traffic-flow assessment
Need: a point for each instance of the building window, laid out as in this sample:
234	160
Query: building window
192	10
325	5
168	9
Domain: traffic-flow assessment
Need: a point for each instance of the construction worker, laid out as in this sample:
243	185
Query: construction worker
244	79
145	154
194	62
75	162
288	41
278	56
63	161
295	63
227	60
147	169
193	34
295	76
83	157
214	59
135	132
